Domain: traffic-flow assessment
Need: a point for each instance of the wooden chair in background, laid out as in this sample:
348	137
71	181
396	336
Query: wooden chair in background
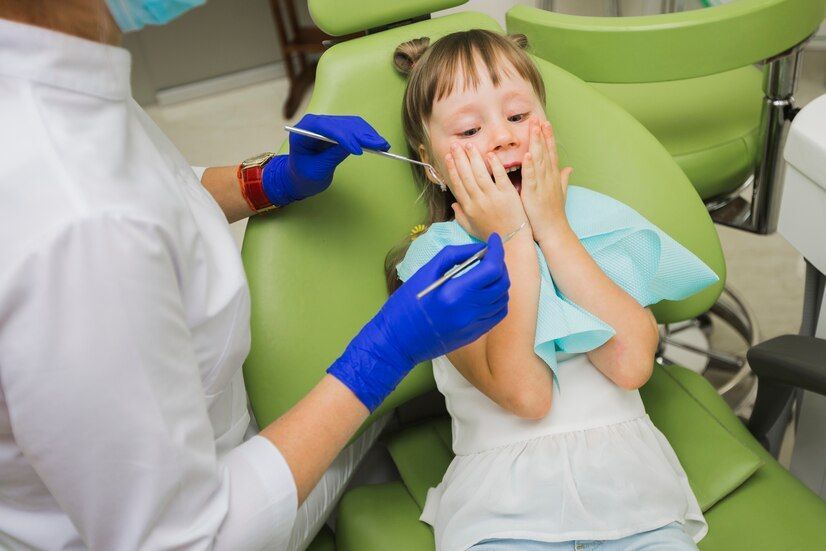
298	44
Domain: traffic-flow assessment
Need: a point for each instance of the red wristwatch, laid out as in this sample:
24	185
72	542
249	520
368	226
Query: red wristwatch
251	179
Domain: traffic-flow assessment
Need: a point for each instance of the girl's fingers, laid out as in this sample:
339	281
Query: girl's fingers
550	144
528	172
457	186
500	176
465	171
480	170
536	148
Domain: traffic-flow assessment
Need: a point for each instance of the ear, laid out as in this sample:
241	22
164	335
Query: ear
425	158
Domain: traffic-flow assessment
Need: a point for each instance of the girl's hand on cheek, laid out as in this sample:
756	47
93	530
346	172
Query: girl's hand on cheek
485	205
543	184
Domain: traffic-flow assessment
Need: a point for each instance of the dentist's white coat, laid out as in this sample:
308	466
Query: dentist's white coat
124	322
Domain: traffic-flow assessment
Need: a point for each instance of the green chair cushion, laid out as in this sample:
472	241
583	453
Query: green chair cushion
422	454
324	541
772	509
692	430
381	517
736	482
708	124
654	48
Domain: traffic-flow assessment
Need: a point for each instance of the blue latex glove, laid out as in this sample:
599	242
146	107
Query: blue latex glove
308	169
408	330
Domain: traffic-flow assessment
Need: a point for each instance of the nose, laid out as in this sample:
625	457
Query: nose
503	137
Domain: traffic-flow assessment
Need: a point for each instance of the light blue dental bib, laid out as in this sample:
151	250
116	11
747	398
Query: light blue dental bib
638	256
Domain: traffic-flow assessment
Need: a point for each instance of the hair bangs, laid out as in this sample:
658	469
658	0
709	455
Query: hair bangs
466	61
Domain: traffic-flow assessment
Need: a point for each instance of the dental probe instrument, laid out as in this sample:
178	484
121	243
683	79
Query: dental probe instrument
459	267
428	167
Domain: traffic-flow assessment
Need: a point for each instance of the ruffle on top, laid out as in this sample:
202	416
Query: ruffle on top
638	256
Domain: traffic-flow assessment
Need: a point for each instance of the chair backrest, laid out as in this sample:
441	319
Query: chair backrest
315	269
673	46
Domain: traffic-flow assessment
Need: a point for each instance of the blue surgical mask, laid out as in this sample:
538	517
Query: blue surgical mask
133	15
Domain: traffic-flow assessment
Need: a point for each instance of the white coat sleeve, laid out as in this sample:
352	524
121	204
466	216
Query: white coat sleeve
105	399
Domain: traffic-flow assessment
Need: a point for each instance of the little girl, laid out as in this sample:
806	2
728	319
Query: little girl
553	447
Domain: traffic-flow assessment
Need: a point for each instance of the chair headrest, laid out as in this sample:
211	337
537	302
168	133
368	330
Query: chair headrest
340	17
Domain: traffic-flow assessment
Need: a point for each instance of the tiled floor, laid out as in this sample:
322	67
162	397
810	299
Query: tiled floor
228	127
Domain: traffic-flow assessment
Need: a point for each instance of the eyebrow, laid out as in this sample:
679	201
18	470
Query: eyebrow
466	109
513	94
472	109
510	95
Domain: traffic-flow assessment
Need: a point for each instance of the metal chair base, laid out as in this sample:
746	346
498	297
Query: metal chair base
729	372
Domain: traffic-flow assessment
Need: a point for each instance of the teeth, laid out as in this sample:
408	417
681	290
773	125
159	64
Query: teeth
512	169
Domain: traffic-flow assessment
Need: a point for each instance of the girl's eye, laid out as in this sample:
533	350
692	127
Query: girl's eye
518	118
469	133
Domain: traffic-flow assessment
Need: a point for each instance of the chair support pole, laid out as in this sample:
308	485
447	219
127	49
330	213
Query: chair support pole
780	76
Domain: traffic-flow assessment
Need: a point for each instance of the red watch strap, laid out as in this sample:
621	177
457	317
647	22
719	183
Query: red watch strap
252	187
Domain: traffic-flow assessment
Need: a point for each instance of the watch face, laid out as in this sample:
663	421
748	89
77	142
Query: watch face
258	160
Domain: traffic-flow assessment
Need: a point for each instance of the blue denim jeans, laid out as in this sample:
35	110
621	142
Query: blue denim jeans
671	537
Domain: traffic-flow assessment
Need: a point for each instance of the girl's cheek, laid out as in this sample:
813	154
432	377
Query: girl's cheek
441	148
481	143
524	137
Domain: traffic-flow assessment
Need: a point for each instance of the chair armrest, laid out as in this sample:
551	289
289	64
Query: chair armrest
672	46
792	360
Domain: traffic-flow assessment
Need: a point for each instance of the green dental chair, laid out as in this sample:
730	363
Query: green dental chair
689	79
321	263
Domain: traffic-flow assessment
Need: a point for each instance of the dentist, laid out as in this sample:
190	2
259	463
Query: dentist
124	310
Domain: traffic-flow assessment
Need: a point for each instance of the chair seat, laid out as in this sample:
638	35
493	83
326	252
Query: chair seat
385	516
708	124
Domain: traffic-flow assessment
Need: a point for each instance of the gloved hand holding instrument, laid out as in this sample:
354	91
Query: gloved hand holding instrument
308	169
408	330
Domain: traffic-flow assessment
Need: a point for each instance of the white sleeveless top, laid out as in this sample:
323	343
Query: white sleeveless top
595	468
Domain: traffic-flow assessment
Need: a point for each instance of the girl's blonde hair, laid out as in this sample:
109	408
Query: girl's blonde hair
431	72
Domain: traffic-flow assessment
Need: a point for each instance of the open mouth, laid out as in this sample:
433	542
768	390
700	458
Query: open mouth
515	175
